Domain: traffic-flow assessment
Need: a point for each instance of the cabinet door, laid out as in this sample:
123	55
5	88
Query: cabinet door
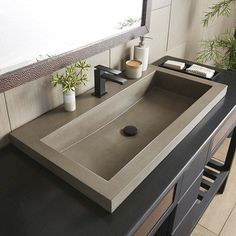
156	214
164	230
222	132
187	201
194	168
188	222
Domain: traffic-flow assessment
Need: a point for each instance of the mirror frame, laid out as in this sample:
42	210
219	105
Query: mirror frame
45	67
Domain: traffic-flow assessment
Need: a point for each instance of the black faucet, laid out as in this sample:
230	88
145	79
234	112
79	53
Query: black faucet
103	73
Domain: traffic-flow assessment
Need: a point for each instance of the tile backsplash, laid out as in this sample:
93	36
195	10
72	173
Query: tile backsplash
175	30
4	122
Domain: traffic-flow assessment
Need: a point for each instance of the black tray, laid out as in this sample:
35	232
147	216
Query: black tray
185	72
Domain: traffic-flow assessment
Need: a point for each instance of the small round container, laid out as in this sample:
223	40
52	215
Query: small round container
133	69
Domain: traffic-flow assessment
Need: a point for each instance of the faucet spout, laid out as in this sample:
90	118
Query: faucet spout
103	73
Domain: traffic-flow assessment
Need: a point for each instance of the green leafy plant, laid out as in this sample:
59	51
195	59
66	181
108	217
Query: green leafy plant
74	75
221	49
223	8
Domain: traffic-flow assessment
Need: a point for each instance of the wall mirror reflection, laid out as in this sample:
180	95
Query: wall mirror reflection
33	31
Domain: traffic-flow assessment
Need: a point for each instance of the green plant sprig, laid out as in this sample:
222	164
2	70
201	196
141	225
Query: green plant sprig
74	75
223	8
221	50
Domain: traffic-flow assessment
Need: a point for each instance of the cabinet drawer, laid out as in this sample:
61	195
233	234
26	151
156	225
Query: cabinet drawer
188	223
194	169
223	132
187	201
156	214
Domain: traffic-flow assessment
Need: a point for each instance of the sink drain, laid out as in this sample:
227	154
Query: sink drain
130	130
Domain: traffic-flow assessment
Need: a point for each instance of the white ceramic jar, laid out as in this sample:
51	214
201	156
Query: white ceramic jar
133	69
69	101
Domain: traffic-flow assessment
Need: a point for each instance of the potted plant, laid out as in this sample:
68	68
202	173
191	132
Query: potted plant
221	49
73	76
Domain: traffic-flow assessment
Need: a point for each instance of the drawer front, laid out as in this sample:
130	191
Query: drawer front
194	169
188	223
187	201
223	132
156	214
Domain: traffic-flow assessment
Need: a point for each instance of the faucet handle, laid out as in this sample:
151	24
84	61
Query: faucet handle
107	69
114	78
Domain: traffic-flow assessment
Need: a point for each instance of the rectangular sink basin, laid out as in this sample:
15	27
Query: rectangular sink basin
90	150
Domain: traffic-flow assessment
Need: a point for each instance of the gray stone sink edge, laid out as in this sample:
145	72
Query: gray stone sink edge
110	194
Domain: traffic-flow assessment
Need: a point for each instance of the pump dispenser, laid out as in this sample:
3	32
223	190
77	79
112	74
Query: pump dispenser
141	52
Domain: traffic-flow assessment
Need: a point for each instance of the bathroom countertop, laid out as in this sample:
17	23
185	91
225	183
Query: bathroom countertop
36	202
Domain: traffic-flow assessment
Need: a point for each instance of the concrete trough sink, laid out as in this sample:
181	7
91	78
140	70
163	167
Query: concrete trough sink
90	151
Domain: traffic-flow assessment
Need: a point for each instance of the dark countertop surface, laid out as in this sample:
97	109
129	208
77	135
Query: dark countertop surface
33	201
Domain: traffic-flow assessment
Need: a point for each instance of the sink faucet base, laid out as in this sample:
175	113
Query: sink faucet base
101	74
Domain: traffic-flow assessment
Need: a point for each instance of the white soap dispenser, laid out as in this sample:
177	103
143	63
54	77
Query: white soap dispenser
141	52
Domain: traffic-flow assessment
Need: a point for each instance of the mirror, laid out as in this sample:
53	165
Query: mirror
39	37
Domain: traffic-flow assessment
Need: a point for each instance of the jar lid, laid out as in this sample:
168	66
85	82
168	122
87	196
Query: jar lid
133	63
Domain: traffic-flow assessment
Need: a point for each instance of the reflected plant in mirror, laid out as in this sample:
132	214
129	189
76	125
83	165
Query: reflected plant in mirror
73	76
128	22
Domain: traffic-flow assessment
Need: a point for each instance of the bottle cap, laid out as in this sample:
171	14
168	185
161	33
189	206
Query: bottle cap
142	38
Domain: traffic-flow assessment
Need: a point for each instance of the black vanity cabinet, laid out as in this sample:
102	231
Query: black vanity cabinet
204	177
169	202
192	178
170	212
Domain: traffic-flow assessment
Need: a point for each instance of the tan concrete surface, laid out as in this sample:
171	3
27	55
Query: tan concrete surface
192	99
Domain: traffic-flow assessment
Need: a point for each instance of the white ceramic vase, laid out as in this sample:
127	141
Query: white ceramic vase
69	101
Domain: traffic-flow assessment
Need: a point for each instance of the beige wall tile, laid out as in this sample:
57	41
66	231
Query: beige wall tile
179	23
30	100
159	33
230	227
192	50
4	122
195	28
201	231
160	3
121	53
178	51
